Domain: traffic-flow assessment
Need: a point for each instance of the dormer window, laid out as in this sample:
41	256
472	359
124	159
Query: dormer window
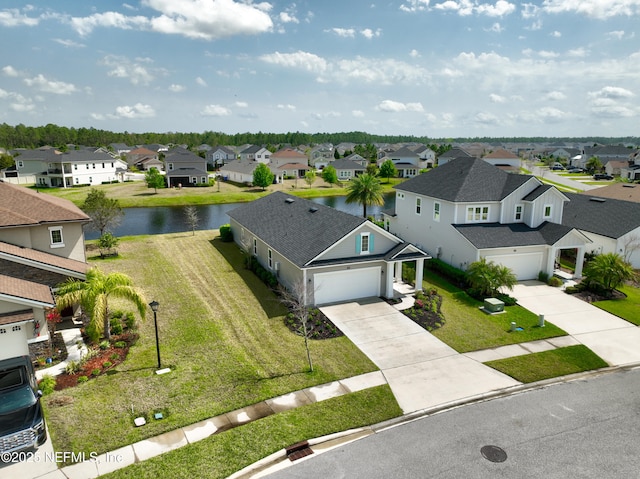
519	213
547	212
477	214
364	243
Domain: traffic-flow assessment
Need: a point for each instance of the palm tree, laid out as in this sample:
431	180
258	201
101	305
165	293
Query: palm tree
94	294
366	190
610	270
488	277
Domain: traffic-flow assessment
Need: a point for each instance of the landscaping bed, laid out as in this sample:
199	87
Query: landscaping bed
318	326
427	310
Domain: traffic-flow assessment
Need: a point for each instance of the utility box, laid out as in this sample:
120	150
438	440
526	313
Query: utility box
493	305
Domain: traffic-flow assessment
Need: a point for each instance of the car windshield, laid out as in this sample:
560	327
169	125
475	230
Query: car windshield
15	399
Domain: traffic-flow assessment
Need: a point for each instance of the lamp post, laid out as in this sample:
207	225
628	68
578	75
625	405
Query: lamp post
154	307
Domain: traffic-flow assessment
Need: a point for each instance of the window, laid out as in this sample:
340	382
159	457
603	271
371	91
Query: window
436	211
400	196
255	246
203	179
94	165
55	233
91	180
20	164
519	210
103	166
112	164
75	167
547	212
418	205
194	180
270	257
476	214
87	166
364	243
77	180
170	166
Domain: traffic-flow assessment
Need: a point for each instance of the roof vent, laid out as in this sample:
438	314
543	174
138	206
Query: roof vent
289	200
313	209
597	200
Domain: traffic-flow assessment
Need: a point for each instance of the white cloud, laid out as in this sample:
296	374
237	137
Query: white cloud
381	71
215	110
22	107
496	28
10	71
578	53
556	34
343	32
468	7
395	106
285	17
138	71
12	17
495	98
415	5
612	111
286	107
414	53
618	34
555	96
200	81
612	92
176	88
85	25
593	8
300	60
357	113
547	54
548	113
486	119
138	110
499	9
50	86
368	33
242	104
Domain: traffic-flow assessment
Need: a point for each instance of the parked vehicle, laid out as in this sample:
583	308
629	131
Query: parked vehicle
575	169
602	176
22	424
556	166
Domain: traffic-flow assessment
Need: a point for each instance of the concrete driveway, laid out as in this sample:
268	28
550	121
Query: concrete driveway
421	370
613	339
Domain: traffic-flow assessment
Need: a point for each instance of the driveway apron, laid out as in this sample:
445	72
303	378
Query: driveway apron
422	371
613	339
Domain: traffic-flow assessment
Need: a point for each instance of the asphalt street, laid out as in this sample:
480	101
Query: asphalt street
587	428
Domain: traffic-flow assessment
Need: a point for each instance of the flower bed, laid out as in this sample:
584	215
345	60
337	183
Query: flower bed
427	310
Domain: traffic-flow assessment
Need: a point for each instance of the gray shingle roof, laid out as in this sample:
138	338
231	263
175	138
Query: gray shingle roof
603	216
539	191
287	224
496	235
465	179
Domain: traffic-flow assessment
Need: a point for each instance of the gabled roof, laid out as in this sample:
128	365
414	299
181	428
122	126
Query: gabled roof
465	180
142	151
290	154
42	260
537	193
502	154
20	289
346	164
497	235
186	172
23	316
603	216
182	155
298	229
455	153
238	166
618	191
403	152
251	149
224	149
20	206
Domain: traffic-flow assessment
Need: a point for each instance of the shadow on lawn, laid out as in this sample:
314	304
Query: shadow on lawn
265	296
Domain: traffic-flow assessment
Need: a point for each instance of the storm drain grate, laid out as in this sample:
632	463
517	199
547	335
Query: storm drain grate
493	453
298	451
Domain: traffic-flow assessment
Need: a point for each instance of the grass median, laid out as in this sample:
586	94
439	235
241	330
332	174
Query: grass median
221	332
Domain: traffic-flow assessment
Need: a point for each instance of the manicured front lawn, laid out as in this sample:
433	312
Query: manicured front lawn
221	332
467	328
549	364
627	308
221	455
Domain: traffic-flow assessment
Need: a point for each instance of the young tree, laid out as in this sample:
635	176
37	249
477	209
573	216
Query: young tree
310	177
488	277
105	213
262	176
388	170
107	242
154	179
93	296
366	190
191	218
609	270
593	164
372	168
294	300
330	175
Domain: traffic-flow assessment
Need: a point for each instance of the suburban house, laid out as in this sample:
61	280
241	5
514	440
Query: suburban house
347	168
220	155
120	148
321	155
467	209
503	158
41	245
289	162
452	154
618	191
53	168
407	162
185	168
426	154
612	225
255	153
144	159
324	253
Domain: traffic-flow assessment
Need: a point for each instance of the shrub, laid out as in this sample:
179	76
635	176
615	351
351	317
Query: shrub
47	384
571	290
226	234
116	326
82	379
72	367
268	278
107	364
114	357
130	320
120	344
453	274
95	372
104	344
555	282
506	299
543	277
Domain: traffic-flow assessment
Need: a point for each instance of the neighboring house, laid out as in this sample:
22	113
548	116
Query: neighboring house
242	172
289	163
467	209
41	245
331	255
452	154
321	155
617	191
612	225
144	159
426	154
565	153
502	157
347	169
219	156
255	153
615	167
52	168
185	168
120	148
407	162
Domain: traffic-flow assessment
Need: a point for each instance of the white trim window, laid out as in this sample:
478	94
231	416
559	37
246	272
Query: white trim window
170	166
519	213
477	214
547	212
400	196
270	258
364	243
418	205
55	235
255	246
436	211
20	164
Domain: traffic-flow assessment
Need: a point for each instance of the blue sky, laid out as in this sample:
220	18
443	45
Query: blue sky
438	68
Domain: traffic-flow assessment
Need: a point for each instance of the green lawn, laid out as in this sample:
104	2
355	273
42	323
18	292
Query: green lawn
549	364
225	453
221	332
627	308
467	328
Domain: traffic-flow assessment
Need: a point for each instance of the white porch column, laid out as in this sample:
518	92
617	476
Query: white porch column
551	261
398	271
388	288
579	262
419	273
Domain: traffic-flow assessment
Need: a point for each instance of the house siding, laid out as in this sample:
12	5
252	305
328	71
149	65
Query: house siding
346	248
329	269
72	235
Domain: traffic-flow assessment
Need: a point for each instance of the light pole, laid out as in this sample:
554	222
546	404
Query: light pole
154	307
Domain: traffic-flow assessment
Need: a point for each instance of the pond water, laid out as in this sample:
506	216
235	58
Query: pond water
172	219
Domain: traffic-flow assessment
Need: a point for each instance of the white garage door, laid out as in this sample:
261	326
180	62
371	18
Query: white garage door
524	266
346	285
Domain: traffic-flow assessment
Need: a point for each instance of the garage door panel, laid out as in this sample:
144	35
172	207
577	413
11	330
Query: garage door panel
524	266
346	285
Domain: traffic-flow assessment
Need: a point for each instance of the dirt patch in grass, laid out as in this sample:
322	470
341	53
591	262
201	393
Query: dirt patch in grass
318	326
